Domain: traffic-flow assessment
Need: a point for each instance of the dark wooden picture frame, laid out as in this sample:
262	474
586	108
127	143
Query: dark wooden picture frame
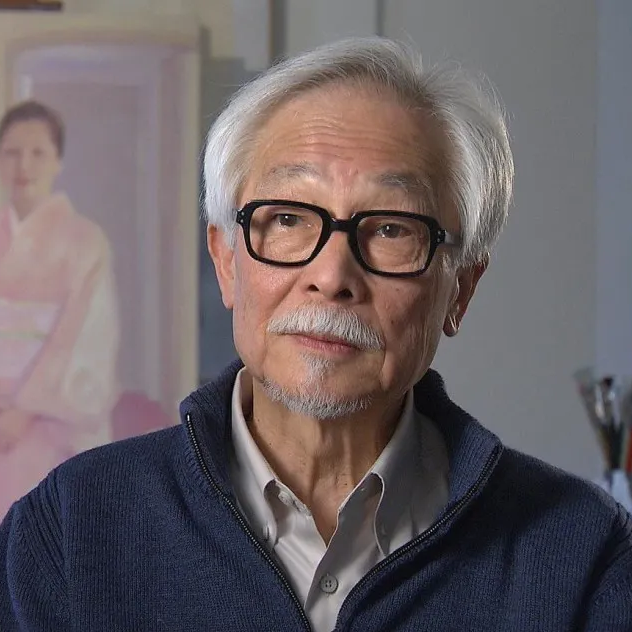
31	5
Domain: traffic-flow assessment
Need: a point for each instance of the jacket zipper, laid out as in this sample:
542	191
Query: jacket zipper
429	532
244	524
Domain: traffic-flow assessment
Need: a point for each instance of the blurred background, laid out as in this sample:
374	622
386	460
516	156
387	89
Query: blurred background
558	293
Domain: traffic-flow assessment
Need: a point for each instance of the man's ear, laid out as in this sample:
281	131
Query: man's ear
465	282
223	260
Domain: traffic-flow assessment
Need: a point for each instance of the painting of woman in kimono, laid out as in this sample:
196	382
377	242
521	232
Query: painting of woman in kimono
59	328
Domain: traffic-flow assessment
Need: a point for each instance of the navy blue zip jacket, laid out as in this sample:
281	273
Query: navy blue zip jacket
144	536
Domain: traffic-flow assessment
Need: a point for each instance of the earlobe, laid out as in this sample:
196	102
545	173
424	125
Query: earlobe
451	323
222	256
465	283
452	320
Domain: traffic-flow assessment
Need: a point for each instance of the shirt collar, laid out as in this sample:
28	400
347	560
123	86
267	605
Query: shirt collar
395	471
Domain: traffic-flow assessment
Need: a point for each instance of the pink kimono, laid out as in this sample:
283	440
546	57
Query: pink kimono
58	340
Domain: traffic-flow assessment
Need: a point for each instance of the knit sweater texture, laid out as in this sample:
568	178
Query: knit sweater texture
144	535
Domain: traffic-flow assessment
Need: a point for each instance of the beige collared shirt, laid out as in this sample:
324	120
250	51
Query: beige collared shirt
399	498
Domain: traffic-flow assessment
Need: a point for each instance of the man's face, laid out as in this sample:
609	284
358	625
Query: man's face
347	150
29	162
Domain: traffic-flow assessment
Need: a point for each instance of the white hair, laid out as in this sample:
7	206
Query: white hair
479	172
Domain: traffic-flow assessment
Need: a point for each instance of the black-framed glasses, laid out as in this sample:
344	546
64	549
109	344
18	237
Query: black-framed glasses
388	243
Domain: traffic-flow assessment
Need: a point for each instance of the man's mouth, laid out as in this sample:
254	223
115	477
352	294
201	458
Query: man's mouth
324	340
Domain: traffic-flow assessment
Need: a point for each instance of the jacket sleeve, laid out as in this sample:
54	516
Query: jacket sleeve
609	608
32	584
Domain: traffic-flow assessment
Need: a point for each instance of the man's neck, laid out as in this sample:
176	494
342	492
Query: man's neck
321	461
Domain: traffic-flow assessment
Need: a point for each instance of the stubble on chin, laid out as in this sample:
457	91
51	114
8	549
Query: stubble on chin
309	397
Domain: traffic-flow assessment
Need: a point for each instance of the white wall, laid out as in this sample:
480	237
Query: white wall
310	23
614	188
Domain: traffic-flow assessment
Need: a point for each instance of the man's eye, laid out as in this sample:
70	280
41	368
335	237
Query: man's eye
391	231
287	220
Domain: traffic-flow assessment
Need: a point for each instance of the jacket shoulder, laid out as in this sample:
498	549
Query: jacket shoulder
537	482
555	504
155	450
116	475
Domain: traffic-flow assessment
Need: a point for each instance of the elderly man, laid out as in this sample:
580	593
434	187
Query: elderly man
328	482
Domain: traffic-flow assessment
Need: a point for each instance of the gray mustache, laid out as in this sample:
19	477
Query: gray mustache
342	324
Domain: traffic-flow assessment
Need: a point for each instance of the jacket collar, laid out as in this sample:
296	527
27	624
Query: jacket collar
471	448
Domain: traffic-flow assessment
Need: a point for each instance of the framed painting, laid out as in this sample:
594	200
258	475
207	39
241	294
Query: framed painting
99	147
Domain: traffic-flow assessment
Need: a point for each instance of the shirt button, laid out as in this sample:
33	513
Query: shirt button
266	533
328	584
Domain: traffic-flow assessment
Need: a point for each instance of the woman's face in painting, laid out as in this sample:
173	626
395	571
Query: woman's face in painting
29	163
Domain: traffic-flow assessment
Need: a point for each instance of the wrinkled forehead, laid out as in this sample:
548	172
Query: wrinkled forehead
396	145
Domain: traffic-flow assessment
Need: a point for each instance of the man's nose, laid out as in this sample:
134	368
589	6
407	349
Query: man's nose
335	273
